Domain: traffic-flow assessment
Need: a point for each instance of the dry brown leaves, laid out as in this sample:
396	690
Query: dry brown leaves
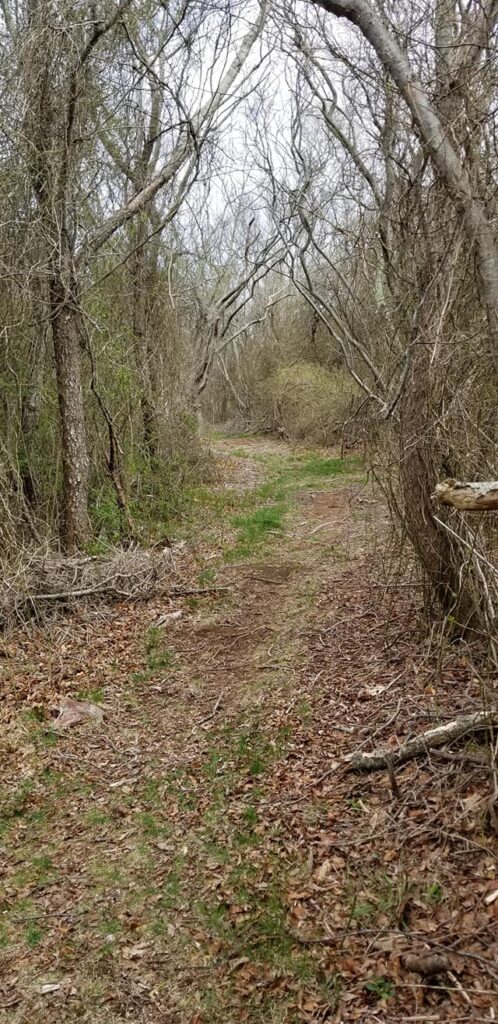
351	896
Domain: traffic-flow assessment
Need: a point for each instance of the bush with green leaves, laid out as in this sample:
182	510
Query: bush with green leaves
308	401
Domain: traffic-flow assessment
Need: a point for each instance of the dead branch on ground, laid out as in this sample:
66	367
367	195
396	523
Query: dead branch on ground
48	579
426	741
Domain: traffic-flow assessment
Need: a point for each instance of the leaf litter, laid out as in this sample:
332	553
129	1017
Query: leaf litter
205	855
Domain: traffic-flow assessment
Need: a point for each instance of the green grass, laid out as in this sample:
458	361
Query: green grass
95	696
157	655
255	528
380	897
94	817
171	889
34	936
316	467
361	911
206	577
15	804
43	864
152	828
434	893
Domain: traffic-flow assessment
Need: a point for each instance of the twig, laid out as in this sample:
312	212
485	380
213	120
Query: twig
393	782
188	591
458	986
209	717
449	755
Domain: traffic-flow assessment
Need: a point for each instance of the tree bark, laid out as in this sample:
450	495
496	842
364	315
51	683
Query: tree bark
418	474
50	114
469	497
66	332
141	335
417	470
32	396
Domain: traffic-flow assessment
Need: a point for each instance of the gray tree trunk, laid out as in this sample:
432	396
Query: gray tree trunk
143	342
66	330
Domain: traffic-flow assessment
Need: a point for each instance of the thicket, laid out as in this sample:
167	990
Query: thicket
287	380
326	268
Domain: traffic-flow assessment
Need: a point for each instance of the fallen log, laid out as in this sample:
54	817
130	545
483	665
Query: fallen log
469	497
422	744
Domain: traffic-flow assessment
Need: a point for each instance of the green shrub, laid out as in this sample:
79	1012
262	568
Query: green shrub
106	519
308	401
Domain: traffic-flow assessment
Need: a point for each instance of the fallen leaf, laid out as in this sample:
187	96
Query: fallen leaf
323	871
12	1000
136	952
236	964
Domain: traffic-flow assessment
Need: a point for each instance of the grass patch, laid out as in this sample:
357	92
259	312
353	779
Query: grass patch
434	893
34	935
380	900
171	890
254	529
157	655
95	696
95	817
316	467
206	577
244	524
151	828
15	804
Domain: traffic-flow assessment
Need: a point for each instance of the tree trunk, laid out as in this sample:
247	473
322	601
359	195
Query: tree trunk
439	132
418	476
66	333
142	340
32	396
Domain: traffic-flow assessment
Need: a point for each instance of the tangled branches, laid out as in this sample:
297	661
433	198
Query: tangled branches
45	580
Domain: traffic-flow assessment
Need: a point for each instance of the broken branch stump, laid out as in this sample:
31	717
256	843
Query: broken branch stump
469	497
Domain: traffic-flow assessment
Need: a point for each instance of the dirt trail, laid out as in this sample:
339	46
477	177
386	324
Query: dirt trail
186	862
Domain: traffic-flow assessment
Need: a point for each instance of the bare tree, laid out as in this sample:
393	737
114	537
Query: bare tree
477	29
424	222
59	53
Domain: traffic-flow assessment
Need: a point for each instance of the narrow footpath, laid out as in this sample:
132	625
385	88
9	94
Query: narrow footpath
204	856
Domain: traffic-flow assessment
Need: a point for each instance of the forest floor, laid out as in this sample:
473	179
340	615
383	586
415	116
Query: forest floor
204	856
